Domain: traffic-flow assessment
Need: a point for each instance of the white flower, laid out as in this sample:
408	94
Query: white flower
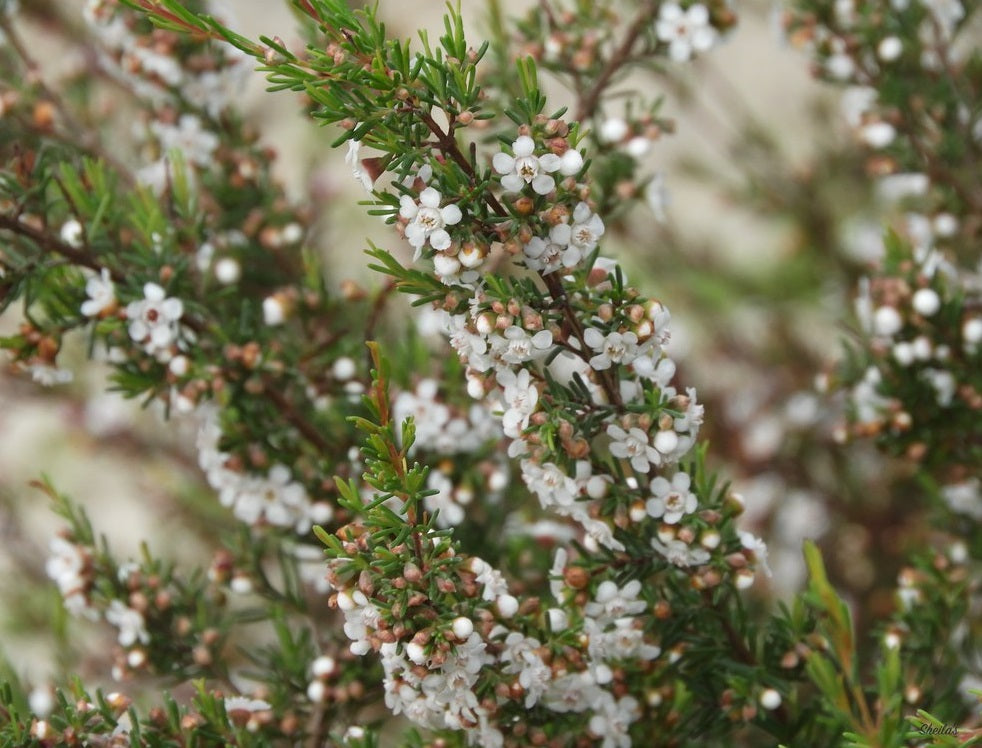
612	720
69	567
574	692
612	602
517	346
613	348
520	397
427	221
585	232
101	293
546	255
351	158
686	31
131	625
550	484
494	583
188	136
633	445
450	512
757	547
680	554
153	320
524	167
520	658
276	499
671	501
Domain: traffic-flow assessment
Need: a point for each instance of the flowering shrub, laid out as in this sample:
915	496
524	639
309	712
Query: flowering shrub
513	535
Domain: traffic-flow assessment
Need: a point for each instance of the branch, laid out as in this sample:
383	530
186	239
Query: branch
589	100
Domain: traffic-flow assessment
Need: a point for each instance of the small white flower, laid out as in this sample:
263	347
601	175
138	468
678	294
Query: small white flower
520	397
188	136
670	501
101	293
685	31
130	622
584	233
757	547
351	158
523	167
612	602
154	319
634	446
550	484
613	348
517	346
427	220
678	553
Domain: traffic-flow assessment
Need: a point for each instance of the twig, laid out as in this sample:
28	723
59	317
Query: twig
588	101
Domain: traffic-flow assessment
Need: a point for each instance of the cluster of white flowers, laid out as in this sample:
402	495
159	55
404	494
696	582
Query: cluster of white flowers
567	244
155	73
441	427
937	27
274	499
70	567
152	73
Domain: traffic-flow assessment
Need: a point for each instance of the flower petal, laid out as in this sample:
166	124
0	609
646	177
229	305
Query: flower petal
451	214
542	184
503	163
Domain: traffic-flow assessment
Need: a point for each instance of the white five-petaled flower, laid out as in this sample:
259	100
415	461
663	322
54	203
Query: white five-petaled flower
612	602
524	167
634	446
520	398
685	31
153	320
517	346
671	501
101	293
585	232
427	220
550	484
613	348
